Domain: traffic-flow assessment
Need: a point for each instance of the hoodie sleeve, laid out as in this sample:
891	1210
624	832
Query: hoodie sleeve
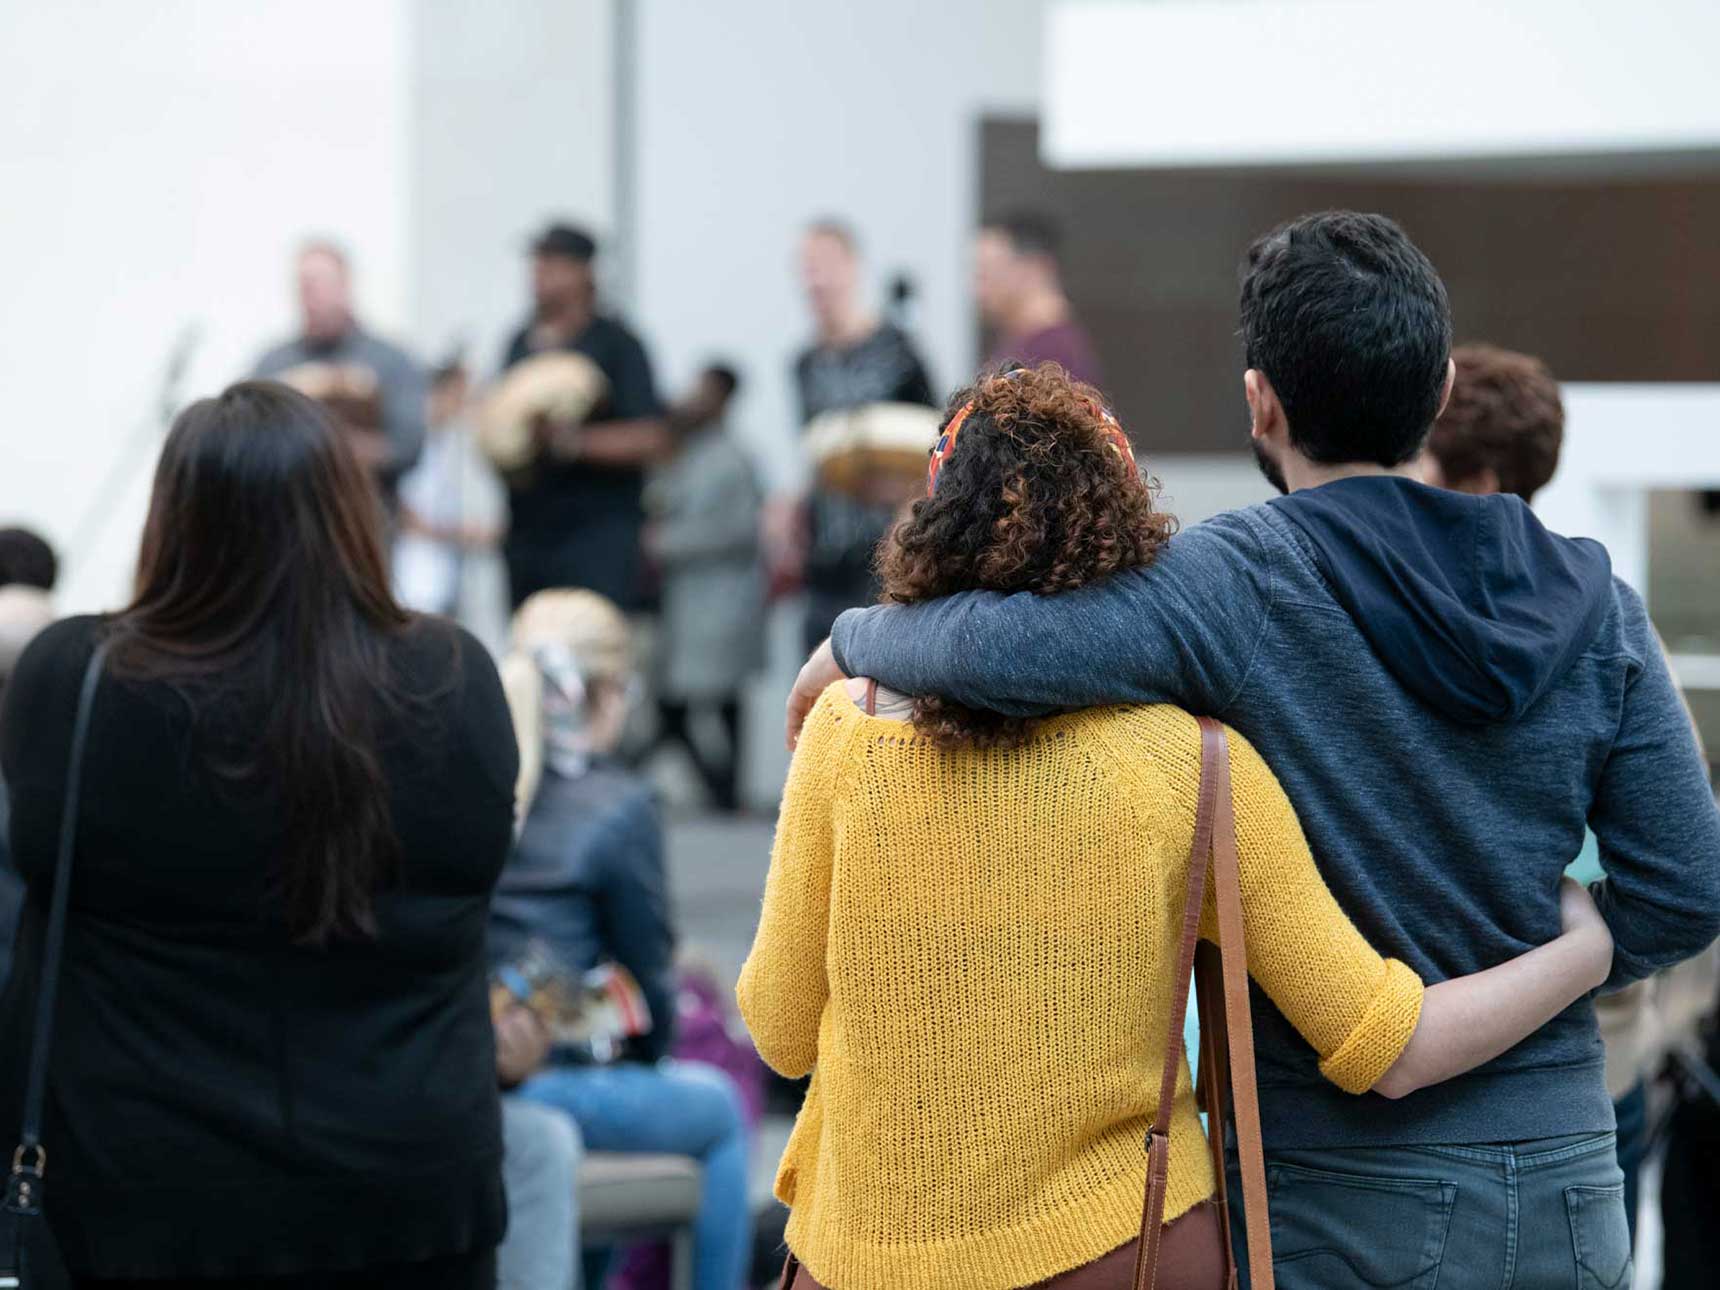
1183	630
1655	820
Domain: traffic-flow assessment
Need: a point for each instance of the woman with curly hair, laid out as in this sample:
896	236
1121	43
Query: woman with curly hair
972	920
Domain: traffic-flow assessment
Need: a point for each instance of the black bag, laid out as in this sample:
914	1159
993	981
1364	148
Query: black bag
29	1258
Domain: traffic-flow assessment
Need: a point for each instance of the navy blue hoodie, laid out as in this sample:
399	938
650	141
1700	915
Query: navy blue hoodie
1449	693
1470	601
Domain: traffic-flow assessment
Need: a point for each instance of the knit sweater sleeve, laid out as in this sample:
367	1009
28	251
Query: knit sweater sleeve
1357	1009
783	986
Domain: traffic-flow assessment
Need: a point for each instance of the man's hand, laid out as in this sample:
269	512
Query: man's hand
522	1045
819	674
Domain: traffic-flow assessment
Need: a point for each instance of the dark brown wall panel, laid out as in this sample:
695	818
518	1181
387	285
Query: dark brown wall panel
1608	279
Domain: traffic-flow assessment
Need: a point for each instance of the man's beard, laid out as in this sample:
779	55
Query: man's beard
1272	470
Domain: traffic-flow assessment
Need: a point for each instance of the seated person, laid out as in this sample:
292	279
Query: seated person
541	1150
587	880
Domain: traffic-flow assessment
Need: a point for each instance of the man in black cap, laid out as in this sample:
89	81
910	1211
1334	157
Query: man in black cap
577	508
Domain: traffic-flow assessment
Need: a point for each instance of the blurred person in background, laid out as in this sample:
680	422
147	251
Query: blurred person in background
855	359
541	1153
1018	286
273	1062
1501	432
453	513
25	609
1690	1173
27	560
704	539
577	502
374	389
588	882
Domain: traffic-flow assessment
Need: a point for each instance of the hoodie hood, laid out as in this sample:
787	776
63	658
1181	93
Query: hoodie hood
1471	602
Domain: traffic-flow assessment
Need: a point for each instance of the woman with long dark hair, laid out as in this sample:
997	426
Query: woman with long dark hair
273	1061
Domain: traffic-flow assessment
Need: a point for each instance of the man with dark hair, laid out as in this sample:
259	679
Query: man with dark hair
375	389
1502	428
1449	692
1018	285
578	508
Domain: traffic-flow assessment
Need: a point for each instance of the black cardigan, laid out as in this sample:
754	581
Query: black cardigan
221	1101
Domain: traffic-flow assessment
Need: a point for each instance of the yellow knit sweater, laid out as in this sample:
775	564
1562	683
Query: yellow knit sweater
971	952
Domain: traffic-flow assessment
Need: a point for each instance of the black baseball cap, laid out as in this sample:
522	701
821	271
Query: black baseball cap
566	239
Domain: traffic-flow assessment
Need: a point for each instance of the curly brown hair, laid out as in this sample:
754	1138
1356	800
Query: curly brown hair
1505	415
1035	497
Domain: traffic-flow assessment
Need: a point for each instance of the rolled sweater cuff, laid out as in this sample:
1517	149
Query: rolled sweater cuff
1381	1035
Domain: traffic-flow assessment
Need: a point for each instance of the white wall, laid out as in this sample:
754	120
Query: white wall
158	162
513	123
1251	82
756	115
1674	435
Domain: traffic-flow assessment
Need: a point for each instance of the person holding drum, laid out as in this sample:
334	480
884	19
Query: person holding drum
375	390
572	424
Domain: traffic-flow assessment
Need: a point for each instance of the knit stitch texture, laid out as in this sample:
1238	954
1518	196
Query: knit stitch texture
971	952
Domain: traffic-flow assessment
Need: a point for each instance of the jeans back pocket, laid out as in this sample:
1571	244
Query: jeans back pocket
1600	1236
1351	1231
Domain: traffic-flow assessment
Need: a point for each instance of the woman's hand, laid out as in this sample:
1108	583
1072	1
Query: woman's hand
1581	919
815	677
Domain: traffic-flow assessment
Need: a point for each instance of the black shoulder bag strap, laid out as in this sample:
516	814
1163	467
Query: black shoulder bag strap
27	1259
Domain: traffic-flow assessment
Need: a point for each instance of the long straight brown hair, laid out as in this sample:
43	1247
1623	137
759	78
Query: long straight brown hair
262	592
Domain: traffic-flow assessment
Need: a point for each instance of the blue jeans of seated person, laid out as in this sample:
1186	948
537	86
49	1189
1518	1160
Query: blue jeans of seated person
541	1150
674	1108
1533	1215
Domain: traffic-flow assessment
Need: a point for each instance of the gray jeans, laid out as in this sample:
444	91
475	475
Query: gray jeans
541	1150
1541	1215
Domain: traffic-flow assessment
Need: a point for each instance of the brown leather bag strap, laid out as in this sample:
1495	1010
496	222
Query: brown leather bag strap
1227	1038
871	697
1238	1016
1212	1083
1158	1136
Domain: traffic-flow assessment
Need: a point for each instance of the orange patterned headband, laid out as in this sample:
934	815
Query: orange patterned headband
946	445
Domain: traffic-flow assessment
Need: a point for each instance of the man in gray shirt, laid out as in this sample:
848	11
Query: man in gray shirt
376	390
1449	693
